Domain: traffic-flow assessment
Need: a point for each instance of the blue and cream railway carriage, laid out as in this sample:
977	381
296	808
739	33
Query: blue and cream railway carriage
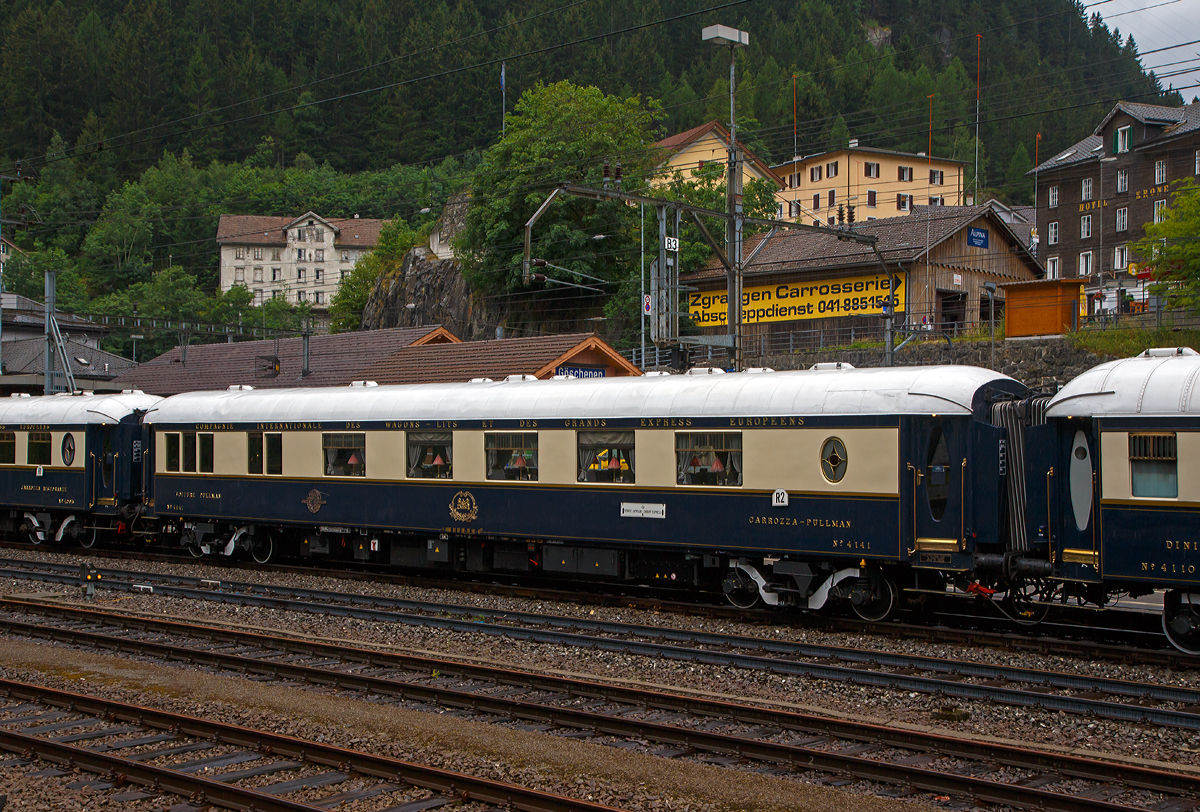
1120	470
789	488
71	465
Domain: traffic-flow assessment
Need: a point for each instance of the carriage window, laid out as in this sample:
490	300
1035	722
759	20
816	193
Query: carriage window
430	454
274	443
188	446
606	456
172	451
710	458
206	453
345	454
833	459
1153	465
8	447
39	448
937	469
512	456
254	452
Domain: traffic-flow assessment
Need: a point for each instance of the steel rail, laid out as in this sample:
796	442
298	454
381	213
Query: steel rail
864	675
1084	641
454	785
796	756
122	770
1067	765
957	668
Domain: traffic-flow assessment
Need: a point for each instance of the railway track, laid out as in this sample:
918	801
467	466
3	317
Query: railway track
1115	635
796	744
1119	700
155	752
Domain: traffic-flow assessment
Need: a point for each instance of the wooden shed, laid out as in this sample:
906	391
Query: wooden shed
1042	307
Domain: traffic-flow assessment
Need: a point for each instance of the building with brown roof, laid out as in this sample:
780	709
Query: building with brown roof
273	364
707	144
301	259
581	355
1095	197
400	355
804	288
878	183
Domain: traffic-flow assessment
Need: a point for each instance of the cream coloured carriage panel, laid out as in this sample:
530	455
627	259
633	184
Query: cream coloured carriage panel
1188	455
385	455
654	456
160	451
470	462
302	454
56	449
791	459
557	456
230	453
1114	465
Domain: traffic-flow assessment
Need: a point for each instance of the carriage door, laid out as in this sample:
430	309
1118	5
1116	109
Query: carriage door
935	471
103	468
1078	530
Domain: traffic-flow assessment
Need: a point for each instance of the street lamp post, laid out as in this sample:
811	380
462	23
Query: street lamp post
990	287
734	39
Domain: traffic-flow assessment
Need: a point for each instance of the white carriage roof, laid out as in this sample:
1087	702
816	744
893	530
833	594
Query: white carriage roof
884	391
72	409
1157	382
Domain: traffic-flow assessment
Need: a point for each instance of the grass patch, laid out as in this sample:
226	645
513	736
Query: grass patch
1125	342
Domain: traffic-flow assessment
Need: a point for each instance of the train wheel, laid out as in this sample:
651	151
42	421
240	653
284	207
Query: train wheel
37	535
741	590
262	549
88	538
880	603
1027	602
1181	620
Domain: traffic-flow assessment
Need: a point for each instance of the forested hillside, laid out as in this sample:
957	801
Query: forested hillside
365	83
137	123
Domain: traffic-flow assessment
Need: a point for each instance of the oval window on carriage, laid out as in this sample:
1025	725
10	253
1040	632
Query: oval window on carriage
68	449
833	459
937	473
1080	478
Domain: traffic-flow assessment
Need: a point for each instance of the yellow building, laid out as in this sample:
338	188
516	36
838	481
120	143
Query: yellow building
879	183
707	144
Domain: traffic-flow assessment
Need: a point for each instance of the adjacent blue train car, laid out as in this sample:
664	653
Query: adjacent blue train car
1120	466
71	465
786	488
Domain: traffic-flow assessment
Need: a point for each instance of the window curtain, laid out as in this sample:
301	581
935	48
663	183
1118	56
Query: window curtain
586	457
682	459
493	463
330	456
629	459
415	450
735	462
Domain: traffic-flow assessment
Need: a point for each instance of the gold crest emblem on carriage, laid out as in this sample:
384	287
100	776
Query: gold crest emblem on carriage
463	507
314	500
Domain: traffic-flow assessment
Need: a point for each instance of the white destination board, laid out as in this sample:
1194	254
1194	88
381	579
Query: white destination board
639	510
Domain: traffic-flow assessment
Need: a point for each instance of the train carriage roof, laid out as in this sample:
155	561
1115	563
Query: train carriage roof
882	391
73	409
1161	381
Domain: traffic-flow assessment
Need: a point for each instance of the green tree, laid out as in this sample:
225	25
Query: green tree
1018	187
559	133
396	239
1171	249
118	245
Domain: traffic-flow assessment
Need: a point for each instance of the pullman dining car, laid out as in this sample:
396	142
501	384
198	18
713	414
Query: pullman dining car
1115	485
71	466
783	488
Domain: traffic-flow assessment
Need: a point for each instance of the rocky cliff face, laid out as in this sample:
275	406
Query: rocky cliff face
436	289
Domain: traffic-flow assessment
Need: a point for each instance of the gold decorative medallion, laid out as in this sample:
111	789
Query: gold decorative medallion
314	500
463	507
